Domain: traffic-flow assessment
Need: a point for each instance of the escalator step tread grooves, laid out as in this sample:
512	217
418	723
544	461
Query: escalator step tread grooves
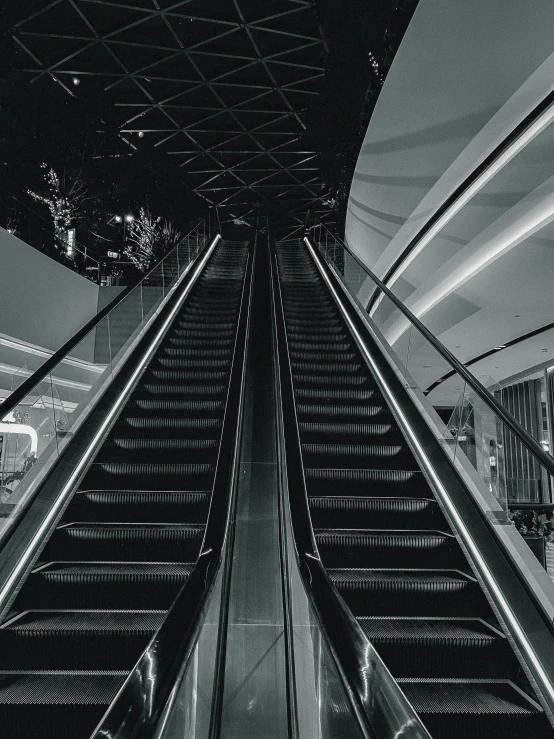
63	688
382	537
130	536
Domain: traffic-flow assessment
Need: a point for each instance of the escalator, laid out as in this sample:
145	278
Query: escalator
383	540
130	536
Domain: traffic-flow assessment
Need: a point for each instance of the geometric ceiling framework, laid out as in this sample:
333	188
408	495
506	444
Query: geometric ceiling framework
221	86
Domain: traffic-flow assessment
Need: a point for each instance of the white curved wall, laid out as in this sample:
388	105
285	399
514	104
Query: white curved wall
465	75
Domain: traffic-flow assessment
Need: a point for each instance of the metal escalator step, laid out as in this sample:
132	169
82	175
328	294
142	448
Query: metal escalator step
206	342
177	406
323	323
315	356
163	542
207	325
325	367
133	505
204	376
480	709
319	346
358	455
172	390
320	309
150	475
347	412
367	483
339	395
215	334
441	647
349	433
388	548
409	592
311	331
100	585
192	353
168	422
60	640
31	702
404	513
184	363
337	380
173	449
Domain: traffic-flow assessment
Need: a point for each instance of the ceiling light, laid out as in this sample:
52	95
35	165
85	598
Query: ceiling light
76	81
129	218
140	134
117	219
500	346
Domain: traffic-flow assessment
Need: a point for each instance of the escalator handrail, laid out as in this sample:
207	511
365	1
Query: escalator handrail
21	392
485	395
528	623
362	671
135	712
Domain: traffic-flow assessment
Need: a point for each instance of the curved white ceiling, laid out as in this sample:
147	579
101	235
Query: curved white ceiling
465	76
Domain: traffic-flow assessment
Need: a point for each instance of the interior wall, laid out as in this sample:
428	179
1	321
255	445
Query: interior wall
42	302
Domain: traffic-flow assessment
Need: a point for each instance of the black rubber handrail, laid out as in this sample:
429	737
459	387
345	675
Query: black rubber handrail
21	392
135	712
362	672
487	397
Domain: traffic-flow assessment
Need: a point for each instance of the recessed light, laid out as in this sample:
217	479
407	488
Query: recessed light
76	81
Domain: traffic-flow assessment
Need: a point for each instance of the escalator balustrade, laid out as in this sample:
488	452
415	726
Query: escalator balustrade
382	538
131	534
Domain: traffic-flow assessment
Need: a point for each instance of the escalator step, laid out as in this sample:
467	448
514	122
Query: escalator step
125	542
174	450
349	433
339	395
386	592
367	483
171	391
318	346
315	356
132	505
185	351
479	709
388	548
325	367
98	585
187	364
152	476
438	647
187	376
31	702
362	455
345	513
164	422
60	640
347	412
206	342
337	380
178	406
